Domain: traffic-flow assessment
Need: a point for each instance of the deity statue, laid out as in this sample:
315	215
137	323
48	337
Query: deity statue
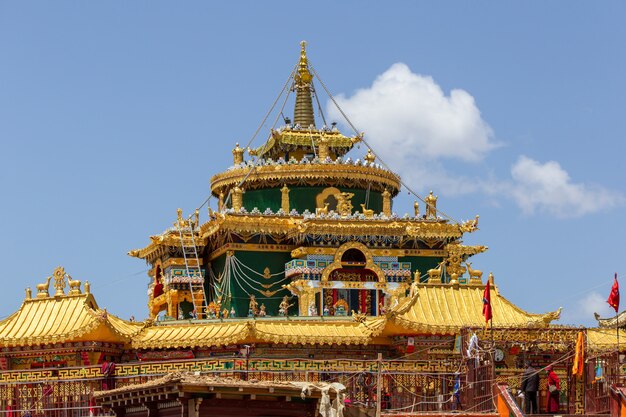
232	313
262	312
312	310
326	311
180	222
386	203
431	206
283	307
218	307
211	310
253	306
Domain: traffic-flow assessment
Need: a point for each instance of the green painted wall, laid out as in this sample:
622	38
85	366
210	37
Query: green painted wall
302	198
242	280
421	263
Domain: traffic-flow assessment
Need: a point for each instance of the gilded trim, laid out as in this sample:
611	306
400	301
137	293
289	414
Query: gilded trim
250	247
308	174
369	262
303	251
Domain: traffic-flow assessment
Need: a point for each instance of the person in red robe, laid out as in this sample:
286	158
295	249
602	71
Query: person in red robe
554	385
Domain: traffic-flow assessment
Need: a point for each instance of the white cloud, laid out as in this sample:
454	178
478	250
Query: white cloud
548	187
585	308
410	112
415	127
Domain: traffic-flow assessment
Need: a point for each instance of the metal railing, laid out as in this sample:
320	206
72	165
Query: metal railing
402	389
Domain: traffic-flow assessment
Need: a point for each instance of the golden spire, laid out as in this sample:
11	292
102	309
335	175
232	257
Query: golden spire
303	112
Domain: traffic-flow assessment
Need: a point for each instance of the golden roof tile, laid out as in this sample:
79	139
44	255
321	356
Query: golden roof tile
185	335
446	308
319	331
603	339
66	318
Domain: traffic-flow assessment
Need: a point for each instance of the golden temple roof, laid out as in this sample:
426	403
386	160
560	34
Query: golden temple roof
446	308
296	226
603	339
319	331
174	334
305	138
65	318
181	335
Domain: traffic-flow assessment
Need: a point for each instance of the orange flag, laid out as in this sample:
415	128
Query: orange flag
579	356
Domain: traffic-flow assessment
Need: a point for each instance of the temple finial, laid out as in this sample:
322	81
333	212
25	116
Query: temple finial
303	66
303	112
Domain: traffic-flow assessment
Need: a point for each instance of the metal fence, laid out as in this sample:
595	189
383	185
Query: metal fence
601	373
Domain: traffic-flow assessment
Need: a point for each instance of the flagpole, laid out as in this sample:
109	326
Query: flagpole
617	322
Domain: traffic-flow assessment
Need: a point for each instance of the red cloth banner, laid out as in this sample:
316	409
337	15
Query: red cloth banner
487	303
613	299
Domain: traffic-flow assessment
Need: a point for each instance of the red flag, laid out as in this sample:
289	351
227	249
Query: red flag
487	303
614	296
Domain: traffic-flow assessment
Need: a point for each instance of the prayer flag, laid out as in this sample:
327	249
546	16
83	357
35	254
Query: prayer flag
487	303
613	299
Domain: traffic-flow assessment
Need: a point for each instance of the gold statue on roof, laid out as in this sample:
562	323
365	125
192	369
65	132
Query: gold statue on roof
386	203
431	206
42	289
180	222
369	157
237	154
59	280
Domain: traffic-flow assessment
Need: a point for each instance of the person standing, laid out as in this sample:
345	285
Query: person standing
530	386
554	386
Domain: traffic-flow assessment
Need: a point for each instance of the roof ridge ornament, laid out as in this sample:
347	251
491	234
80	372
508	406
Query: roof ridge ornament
304	77
59	281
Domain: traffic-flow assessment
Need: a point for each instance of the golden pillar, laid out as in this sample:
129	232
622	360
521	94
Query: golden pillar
237	197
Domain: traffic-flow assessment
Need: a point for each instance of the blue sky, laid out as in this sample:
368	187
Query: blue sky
113	114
